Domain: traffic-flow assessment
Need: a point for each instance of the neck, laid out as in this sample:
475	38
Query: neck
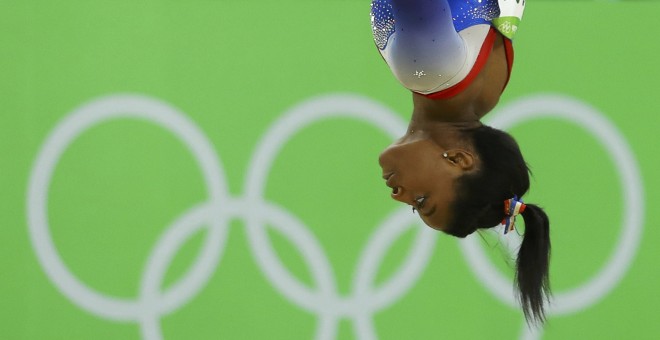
448	135
435	116
458	109
471	104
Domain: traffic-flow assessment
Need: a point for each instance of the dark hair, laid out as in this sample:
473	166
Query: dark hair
479	203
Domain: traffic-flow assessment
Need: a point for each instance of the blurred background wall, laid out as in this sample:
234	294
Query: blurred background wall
207	169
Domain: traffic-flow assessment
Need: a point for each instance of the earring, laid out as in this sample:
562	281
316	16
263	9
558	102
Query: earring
445	155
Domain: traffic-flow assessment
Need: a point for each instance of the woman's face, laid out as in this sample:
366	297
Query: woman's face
422	177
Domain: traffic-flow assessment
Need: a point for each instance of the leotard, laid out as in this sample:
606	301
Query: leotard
437	47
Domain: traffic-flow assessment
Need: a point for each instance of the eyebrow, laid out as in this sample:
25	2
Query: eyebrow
430	212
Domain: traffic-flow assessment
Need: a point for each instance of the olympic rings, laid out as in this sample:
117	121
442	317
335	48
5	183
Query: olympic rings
323	299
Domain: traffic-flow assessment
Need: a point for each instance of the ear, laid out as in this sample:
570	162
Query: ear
463	159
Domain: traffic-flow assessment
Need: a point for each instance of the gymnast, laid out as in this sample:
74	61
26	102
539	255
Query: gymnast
455	56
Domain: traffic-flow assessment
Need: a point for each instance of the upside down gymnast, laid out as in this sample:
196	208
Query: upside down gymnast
455	56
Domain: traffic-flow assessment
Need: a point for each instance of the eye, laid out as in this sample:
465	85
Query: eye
419	202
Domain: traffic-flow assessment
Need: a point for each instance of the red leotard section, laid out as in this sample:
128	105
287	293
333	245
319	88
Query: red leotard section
479	64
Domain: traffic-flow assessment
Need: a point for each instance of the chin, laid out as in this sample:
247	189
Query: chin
442	228
458	232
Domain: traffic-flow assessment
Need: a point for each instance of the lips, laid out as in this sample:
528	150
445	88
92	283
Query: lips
388	178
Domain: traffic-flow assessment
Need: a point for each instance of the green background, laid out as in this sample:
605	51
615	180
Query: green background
233	68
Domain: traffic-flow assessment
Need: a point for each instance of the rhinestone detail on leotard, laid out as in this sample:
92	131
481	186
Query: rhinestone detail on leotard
382	22
467	13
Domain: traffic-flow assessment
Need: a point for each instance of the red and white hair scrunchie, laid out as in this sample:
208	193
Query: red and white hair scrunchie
512	208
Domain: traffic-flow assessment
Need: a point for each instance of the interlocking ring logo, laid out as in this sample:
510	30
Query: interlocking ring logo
323	298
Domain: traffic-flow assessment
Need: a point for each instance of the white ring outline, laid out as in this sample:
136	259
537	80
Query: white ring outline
591	120
100	110
326	302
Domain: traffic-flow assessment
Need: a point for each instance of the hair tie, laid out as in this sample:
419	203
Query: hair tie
512	208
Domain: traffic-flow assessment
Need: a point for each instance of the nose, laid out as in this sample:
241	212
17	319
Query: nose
401	195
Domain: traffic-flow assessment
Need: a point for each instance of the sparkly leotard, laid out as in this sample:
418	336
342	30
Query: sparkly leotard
437	47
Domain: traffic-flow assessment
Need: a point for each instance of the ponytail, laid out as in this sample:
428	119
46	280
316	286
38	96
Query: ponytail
480	203
533	264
